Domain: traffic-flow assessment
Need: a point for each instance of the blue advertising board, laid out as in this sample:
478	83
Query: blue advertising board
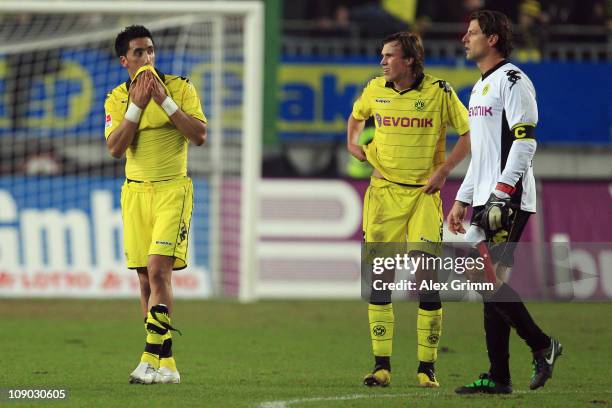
315	96
63	236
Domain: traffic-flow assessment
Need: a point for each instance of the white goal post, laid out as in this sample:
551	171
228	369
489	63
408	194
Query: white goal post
219	45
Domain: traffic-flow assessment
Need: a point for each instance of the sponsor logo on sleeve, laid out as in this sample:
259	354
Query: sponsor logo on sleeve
444	85
513	76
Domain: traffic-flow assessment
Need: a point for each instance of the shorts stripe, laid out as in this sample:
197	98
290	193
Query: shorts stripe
189	226
178	229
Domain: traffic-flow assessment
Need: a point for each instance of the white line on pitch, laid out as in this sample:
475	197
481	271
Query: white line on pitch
288	403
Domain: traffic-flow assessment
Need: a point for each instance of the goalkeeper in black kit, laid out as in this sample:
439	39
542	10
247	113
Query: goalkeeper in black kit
500	186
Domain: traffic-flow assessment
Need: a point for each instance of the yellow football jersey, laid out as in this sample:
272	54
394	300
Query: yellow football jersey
410	138
159	150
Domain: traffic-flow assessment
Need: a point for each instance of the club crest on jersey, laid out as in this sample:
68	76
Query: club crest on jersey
485	89
419	105
108	121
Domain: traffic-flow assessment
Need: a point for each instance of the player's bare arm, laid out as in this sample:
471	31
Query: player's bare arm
354	129
459	152
122	137
193	129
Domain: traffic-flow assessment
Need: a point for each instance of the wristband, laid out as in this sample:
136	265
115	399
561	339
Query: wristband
505	188
133	113
169	106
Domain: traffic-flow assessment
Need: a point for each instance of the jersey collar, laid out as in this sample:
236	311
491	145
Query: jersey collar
416	84
161	76
489	72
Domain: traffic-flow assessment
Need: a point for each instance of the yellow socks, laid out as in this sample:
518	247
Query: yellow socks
381	329
157	326
429	329
165	356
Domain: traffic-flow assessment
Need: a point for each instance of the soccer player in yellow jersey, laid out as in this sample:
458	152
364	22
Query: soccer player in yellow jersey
412	110
151	118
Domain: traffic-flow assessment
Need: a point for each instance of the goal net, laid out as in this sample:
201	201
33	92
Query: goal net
60	219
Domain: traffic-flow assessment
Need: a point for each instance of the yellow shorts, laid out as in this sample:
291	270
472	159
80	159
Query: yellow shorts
395	213
156	219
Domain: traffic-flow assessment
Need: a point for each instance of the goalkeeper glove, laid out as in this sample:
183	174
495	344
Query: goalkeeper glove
498	209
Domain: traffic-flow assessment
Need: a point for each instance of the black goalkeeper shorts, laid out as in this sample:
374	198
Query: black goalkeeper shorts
503	244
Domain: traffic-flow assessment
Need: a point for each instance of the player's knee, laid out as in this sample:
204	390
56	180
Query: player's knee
158	275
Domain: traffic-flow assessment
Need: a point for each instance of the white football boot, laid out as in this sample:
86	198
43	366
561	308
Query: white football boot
166	375
145	373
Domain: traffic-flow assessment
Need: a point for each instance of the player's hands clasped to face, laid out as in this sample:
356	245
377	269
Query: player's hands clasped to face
455	218
158	93
140	90
145	87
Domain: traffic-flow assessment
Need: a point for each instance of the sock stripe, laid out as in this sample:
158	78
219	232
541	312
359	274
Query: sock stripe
166	348
152	348
152	327
424	345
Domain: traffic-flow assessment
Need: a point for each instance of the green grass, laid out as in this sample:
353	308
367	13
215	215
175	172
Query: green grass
311	354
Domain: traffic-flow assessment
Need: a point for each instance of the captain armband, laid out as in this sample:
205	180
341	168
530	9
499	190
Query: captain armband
523	132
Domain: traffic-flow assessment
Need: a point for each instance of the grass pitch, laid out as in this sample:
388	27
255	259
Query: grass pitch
278	354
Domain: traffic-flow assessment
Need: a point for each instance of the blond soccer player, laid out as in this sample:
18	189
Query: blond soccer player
412	110
151	118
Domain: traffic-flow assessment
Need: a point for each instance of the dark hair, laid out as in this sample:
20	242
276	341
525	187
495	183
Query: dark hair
122	42
493	22
412	47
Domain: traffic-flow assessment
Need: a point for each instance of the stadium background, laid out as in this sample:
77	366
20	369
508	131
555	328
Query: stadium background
60	225
57	181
